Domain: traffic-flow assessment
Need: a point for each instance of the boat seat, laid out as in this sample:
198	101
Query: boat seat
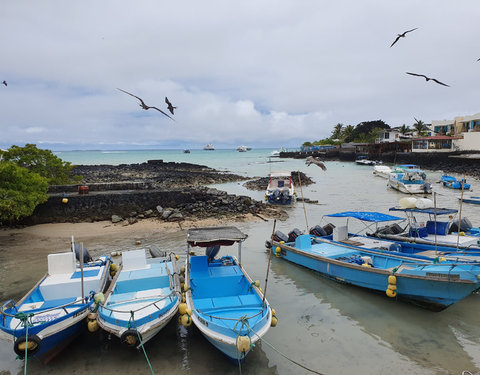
281	184
58	302
243	300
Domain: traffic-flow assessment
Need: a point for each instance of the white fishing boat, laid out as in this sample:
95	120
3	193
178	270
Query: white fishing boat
243	148
382	171
209	147
223	302
54	311
142	298
409	181
280	189
362	160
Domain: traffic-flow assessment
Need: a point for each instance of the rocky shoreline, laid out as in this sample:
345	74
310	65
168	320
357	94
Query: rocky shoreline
127	193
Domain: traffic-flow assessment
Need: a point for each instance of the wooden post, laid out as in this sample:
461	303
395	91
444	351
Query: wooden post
268	262
460	212
303	200
81	268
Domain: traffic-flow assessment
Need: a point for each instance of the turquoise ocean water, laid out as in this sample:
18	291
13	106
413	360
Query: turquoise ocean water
326	326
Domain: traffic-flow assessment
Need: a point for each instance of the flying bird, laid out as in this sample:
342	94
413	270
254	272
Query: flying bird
428	78
5	83
314	160
170	106
144	106
402	36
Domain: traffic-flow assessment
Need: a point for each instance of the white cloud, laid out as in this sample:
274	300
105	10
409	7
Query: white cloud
276	73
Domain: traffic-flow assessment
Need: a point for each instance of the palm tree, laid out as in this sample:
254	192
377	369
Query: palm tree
337	131
347	132
404	129
420	127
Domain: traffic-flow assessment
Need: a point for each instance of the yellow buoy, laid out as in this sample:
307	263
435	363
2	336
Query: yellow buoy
274	312
274	321
65	200
392	280
257	283
92	315
282	242
278	252
243	344
441	259
99	298
392	287
182	269
182	286
182	308
461	233
177	257
93	325
366	265
391	293
189	311
113	269
185	287
186	320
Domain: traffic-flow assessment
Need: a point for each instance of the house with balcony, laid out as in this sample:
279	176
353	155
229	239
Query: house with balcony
465	129
436	143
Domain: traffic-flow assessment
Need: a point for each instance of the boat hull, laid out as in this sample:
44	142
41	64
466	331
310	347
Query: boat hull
433	293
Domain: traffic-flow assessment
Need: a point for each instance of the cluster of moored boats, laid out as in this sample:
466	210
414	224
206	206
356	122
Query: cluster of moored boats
431	263
137	298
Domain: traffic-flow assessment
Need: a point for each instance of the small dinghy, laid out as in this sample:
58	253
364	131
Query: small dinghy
53	312
453	183
142	298
223	302
280	189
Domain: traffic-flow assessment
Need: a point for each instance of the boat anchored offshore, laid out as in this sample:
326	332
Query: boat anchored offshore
142	298
53	312
209	147
382	171
453	183
223	302
409	181
280	189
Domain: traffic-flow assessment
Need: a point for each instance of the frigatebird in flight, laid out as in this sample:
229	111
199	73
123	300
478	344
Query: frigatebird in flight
428	78
170	106
144	106
402	36
4	83
314	160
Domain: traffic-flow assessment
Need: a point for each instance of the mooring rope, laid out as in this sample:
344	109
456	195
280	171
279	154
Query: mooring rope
140	339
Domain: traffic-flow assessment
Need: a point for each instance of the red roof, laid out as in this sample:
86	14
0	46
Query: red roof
436	138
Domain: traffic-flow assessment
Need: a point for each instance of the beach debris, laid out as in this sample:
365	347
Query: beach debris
428	78
143	105
170	106
402	35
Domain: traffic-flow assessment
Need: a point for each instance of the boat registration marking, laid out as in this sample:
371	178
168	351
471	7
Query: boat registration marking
203	321
444	275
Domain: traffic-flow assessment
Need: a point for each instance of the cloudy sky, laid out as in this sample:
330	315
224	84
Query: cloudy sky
258	72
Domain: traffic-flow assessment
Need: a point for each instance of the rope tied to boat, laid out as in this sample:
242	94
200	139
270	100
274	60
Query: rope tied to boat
25	319
129	325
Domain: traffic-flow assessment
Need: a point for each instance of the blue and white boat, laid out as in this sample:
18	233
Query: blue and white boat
427	283
473	200
142	298
453	183
227	307
280	189
409	180
53	312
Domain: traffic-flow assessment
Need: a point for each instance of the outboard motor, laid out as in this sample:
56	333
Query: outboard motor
86	256
395	247
317	231
277	237
427	188
294	234
285	197
211	252
465	226
328	228
277	195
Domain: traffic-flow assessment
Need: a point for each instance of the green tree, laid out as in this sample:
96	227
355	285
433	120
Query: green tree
420	127
348	132
20	191
337	131
404	129
43	162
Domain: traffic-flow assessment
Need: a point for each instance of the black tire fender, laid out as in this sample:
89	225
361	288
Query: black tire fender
127	339
22	339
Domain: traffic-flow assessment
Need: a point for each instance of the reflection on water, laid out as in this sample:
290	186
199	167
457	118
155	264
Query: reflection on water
329	327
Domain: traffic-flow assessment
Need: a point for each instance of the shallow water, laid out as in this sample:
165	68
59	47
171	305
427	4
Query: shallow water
326	326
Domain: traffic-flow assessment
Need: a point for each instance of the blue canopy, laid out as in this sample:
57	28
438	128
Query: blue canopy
375	217
439	211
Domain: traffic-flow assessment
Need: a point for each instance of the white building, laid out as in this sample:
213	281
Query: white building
466	130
